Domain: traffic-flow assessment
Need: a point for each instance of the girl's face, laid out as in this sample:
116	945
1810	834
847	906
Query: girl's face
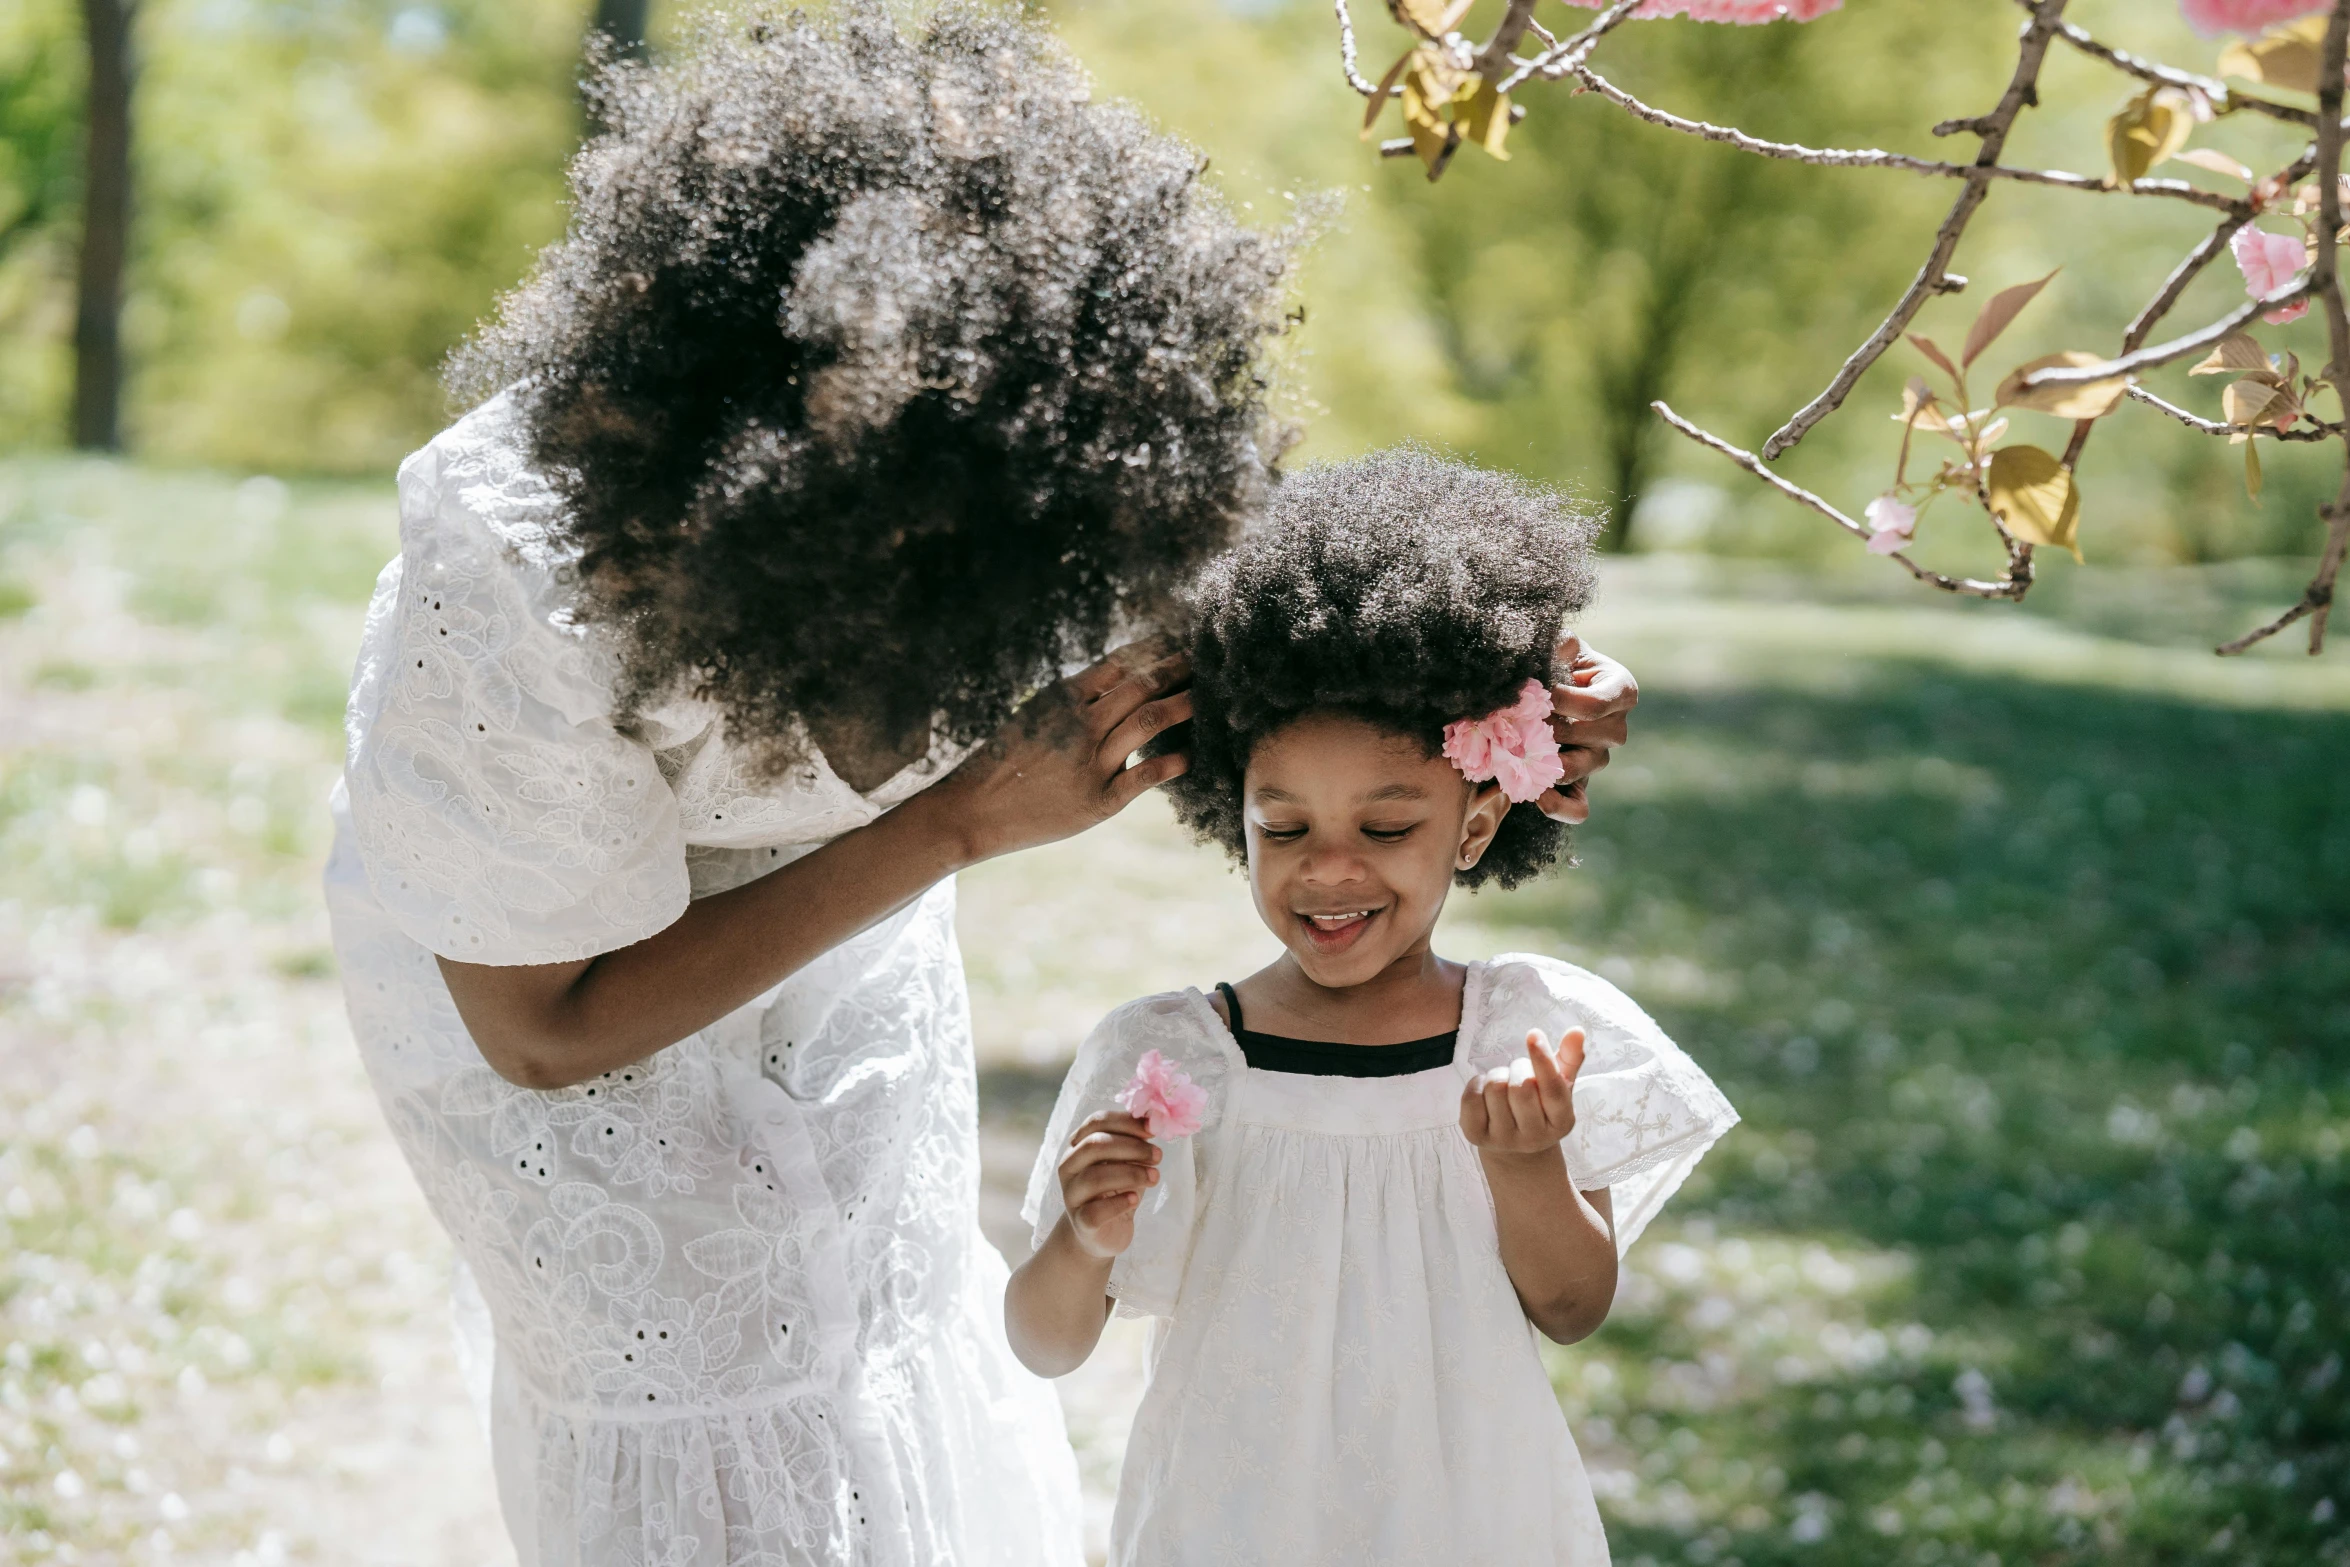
1354	833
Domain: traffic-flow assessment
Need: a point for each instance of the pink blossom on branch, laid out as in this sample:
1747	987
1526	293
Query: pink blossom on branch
1746	13
2270	262
1896	525
1164	1098
2244	16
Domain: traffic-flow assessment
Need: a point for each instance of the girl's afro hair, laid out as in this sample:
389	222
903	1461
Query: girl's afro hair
1400	588
883	373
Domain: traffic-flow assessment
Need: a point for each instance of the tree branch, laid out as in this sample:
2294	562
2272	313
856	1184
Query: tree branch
2223	97
2177	348
1933	278
1871	158
2013	586
1346	51
1561	58
2325	280
2323	432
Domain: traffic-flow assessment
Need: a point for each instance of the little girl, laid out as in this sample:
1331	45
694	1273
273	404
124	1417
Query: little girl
1344	1187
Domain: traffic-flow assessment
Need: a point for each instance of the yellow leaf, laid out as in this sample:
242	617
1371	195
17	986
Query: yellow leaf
2286	56
2034	495
2088	400
2237	352
1428	18
2002	309
2149	128
2252	468
2217	162
1484	118
2249	401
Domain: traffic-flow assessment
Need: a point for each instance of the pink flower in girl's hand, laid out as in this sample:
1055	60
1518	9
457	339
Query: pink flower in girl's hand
1513	745
1164	1097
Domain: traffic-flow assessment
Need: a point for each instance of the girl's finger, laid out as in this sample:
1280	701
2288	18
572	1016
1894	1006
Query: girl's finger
1102	1148
1105	1180
1476	1125
1556	1092
1118	1121
1498	1110
1570	1054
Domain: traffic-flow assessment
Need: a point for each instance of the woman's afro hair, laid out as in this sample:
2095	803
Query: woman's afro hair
882	372
1401	588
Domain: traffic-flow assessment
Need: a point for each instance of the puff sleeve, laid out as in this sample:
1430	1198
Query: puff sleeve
1645	1113
1146	1279
500	815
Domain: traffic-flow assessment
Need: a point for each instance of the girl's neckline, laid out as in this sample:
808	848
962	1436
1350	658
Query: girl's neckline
1330	1058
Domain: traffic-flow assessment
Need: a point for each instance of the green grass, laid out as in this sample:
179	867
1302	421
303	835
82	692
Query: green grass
2021	939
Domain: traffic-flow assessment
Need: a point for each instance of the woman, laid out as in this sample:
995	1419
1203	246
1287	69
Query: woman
881	380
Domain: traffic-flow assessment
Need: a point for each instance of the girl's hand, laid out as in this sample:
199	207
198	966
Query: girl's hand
1111	1162
1529	1106
1591	706
1059	766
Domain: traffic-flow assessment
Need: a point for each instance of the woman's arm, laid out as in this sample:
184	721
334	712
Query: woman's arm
1058	768
1558	1244
1059	1298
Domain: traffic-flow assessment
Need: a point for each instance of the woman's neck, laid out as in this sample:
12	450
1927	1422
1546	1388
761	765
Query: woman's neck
1417	996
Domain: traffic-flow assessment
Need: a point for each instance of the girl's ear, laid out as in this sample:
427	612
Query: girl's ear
1486	809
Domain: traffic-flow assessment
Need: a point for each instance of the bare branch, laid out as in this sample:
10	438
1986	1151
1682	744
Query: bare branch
1346	51
1933	277
1872	158
2323	431
2009	587
2223	97
2250	638
1494	58
2176	348
1561	58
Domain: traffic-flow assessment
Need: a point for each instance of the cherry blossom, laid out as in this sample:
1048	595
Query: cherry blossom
2270	262
2244	16
1896	525
1513	744
1163	1095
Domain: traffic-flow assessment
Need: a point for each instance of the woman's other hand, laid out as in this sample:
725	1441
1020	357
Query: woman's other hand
1059	766
1591	706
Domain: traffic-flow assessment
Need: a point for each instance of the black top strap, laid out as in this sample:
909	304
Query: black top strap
1324	1058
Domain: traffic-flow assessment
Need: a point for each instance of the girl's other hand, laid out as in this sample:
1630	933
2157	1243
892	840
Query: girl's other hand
1111	1162
1529	1106
1591	706
1059	766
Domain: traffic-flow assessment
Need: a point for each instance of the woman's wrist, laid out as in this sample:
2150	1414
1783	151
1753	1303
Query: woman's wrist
936	833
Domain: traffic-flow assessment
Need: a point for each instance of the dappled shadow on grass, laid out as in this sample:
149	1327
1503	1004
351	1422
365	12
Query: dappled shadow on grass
2045	989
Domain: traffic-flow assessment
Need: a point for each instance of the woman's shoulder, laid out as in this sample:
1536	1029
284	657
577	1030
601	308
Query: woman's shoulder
472	489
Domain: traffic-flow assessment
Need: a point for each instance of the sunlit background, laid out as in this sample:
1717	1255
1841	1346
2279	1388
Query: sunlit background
2020	934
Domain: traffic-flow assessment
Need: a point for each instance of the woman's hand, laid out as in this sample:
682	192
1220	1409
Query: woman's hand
1527	1107
1591	713
1111	1162
1059	766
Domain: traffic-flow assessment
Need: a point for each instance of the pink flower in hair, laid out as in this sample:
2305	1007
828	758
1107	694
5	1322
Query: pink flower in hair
1163	1096
1512	745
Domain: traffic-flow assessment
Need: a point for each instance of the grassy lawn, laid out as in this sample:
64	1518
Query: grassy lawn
2022	941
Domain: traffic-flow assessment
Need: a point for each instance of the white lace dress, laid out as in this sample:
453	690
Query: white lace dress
743	1312
1341	1374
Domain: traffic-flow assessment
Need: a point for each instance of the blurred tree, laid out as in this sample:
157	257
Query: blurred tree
106	223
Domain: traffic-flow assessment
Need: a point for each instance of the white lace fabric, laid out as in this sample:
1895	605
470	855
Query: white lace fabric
743	1312
1341	1372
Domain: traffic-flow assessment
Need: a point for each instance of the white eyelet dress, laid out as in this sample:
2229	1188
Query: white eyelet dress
742	1310
1340	1372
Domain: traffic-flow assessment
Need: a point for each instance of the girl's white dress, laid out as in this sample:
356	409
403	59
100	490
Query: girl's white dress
742	1310
1340	1370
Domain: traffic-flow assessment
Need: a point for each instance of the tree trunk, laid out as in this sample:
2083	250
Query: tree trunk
106	222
